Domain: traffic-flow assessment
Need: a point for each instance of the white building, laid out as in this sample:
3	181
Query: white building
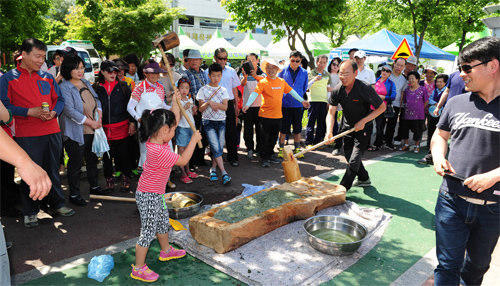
204	16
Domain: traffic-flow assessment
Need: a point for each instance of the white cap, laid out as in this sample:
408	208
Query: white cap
412	60
360	54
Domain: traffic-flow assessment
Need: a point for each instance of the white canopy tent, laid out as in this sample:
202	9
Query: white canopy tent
249	45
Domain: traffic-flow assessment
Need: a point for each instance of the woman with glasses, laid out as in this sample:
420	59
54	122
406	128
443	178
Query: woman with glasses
78	122
333	70
415	98
386	90
117	123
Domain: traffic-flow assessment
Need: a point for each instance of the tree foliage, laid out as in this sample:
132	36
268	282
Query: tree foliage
291	18
120	26
357	17
21	20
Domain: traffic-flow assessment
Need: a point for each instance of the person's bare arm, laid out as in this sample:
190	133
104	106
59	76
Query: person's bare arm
439	148
34	176
442	101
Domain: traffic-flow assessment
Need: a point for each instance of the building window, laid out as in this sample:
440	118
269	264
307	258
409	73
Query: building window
210	23
259	31
232	27
189	22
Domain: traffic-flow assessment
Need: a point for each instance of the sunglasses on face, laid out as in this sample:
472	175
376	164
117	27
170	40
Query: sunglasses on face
111	71
295	61
385	70
468	68
222	59
334	65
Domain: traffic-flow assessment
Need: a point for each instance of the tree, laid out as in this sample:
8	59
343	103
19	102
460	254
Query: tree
358	18
291	18
21	20
467	18
120	26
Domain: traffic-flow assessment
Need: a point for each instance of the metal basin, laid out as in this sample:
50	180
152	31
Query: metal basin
338	223
181	213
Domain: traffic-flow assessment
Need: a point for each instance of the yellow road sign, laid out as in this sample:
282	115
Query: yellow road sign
403	51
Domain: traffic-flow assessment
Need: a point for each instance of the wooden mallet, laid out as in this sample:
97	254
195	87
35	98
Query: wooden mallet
165	43
290	163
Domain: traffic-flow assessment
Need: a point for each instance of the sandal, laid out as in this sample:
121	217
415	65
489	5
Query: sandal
404	147
417	149
373	148
186	180
192	175
171	185
226	179
213	177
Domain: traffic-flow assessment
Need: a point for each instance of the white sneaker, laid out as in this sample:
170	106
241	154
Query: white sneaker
397	142
360	183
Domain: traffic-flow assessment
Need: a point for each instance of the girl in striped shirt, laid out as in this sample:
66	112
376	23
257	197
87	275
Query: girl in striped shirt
157	129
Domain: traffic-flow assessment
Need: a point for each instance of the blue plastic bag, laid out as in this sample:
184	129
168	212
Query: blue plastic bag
100	267
251	189
100	144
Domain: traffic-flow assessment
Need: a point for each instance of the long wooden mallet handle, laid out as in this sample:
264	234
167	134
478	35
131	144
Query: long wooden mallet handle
112	198
167	64
324	142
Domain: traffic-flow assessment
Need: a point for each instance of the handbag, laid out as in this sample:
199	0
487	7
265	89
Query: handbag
389	111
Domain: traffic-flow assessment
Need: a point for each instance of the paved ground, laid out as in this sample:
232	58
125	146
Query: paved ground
101	223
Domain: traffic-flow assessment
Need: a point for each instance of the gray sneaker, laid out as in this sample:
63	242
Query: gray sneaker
337	152
361	183
65	211
30	221
250	154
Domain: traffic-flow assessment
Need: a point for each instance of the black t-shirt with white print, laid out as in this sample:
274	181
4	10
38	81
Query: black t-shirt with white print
356	104
474	127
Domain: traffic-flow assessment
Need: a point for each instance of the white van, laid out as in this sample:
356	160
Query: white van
82	53
86	44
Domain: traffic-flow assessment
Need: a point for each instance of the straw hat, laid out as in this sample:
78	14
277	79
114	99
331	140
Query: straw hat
270	61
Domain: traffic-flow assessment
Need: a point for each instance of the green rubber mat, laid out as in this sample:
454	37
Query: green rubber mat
401	187
185	271
408	191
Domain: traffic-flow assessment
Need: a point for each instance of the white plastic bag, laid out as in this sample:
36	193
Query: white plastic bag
100	144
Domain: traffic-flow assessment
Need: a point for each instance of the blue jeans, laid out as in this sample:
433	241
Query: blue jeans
215	131
464	228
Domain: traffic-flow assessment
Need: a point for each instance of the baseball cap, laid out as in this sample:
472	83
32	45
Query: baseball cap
387	67
194	54
360	54
109	66
153	68
431	68
412	60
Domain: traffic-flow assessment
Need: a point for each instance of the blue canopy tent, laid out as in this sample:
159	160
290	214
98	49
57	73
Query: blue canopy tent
385	43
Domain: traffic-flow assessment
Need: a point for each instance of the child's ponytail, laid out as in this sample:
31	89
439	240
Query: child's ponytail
153	120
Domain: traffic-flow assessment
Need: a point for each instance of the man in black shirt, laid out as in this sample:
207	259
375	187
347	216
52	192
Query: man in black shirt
355	97
467	208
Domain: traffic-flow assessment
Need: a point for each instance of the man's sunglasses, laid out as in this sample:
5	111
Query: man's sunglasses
468	68
222	59
295	61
